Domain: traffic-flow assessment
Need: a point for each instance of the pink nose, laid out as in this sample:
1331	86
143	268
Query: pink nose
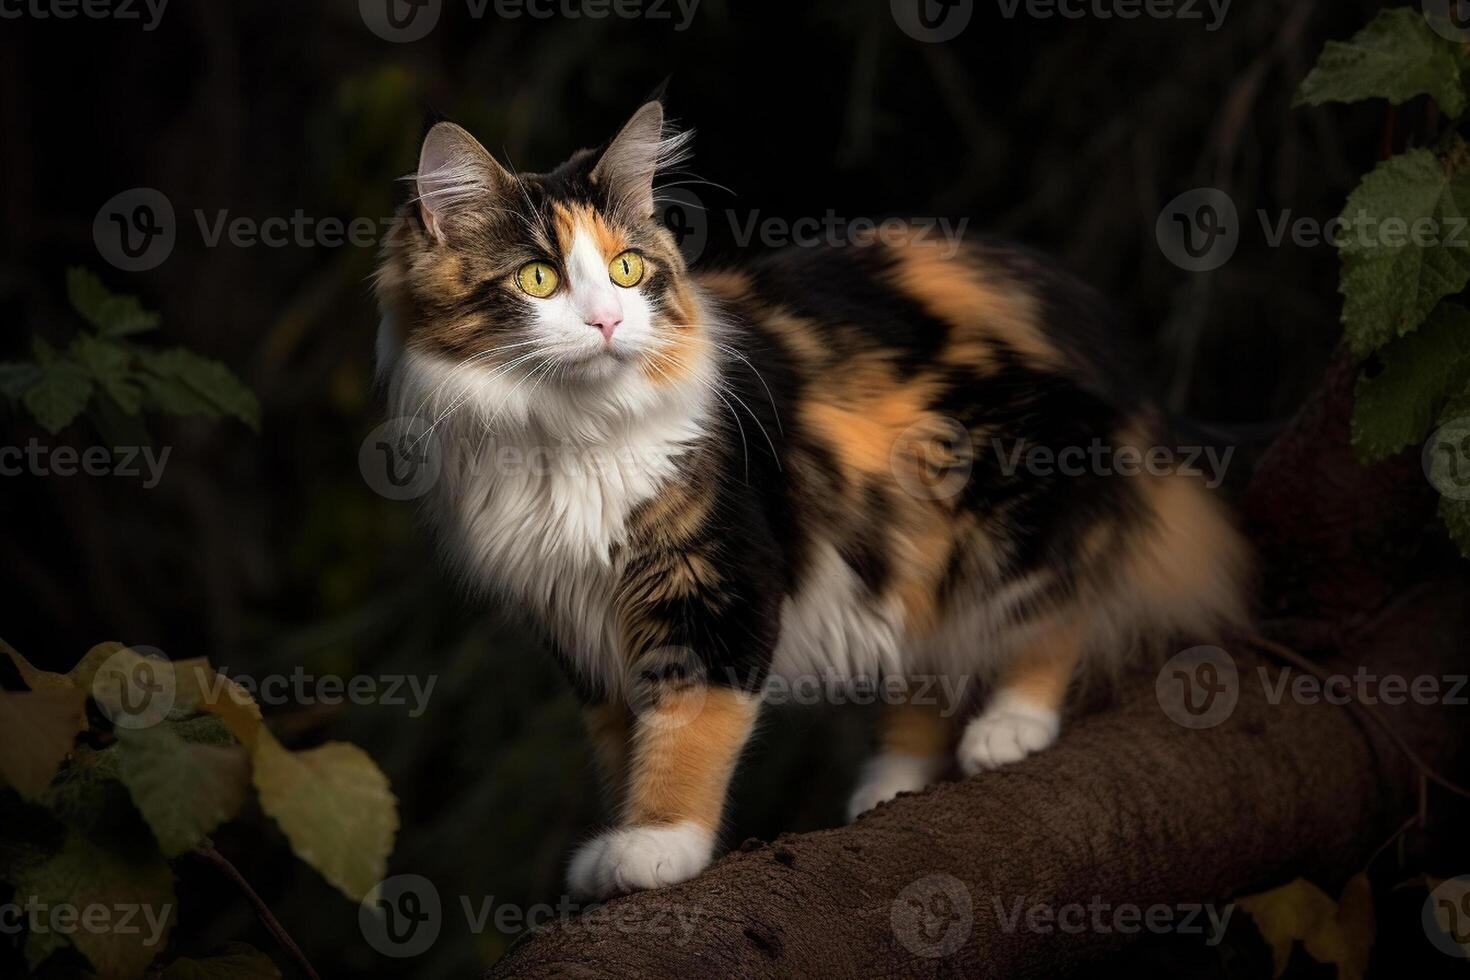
607	321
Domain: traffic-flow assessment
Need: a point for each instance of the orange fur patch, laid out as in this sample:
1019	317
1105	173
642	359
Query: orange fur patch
684	752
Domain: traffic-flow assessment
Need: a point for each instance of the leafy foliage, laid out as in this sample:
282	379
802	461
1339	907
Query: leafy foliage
1396	57
1339	932
1405	246
110	809
104	370
1396	408
1390	282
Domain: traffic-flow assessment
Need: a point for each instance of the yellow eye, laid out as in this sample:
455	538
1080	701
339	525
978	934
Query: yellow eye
627	269
537	279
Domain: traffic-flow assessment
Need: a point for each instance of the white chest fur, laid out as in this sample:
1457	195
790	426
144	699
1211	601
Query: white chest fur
537	485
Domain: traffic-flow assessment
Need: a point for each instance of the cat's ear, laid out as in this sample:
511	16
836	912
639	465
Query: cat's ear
456	174
630	162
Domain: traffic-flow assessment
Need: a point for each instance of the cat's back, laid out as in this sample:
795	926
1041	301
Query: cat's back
917	310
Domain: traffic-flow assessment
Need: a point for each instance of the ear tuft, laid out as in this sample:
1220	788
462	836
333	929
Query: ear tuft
635	156
455	174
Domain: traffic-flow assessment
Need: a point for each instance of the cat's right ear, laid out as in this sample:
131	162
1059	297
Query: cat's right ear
456	174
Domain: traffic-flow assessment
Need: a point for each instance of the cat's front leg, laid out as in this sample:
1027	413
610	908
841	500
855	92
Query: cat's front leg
684	741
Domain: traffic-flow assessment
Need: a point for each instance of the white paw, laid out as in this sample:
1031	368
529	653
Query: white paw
886	775
632	859
1007	731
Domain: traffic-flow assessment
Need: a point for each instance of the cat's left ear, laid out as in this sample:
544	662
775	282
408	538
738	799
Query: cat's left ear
630	162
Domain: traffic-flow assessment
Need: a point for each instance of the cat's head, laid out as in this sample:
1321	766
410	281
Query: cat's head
568	274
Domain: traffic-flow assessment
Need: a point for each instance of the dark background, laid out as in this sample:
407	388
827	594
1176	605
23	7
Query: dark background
269	551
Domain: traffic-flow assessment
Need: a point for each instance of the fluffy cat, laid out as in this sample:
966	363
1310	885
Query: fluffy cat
814	466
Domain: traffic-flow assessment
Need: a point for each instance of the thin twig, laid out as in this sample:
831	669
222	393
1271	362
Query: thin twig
262	911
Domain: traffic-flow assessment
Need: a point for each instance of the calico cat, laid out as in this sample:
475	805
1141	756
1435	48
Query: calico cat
698	482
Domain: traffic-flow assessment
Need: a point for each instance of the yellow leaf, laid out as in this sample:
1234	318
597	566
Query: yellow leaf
334	804
35	678
37	730
1340	932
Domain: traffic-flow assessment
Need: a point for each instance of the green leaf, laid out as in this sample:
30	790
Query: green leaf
1395	408
59	395
1396	57
335	807
37	730
110	365
17	376
1389	281
207	381
111	314
183	789
1448	463
90	880
238	961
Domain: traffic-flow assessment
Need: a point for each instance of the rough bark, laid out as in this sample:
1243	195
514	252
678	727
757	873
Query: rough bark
1128	807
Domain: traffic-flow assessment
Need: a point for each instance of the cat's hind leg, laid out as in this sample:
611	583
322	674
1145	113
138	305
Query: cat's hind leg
1024	715
913	749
